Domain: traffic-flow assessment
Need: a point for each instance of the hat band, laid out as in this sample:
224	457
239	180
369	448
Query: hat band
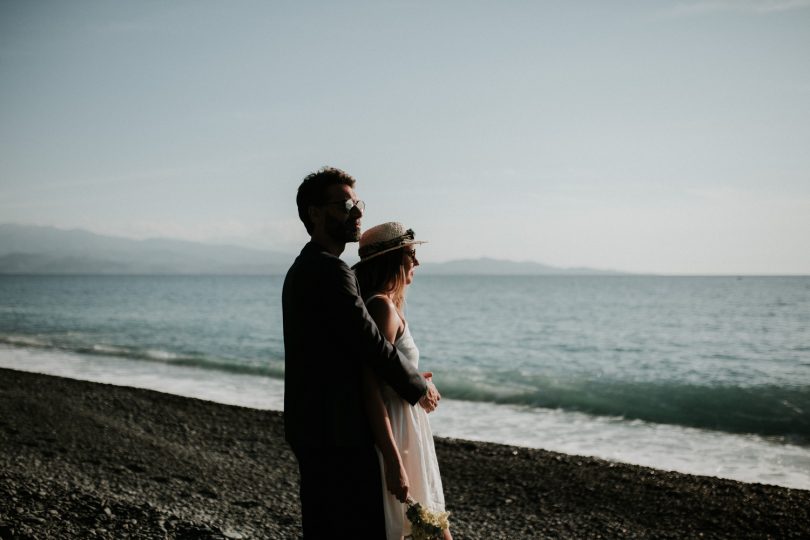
384	245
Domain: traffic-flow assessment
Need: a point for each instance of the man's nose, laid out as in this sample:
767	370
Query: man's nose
356	211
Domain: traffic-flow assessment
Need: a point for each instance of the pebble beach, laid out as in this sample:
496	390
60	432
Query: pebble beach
89	460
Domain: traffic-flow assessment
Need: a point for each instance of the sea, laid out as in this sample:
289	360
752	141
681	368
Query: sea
701	375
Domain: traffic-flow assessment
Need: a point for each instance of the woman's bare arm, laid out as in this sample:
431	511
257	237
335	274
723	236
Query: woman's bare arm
388	321
396	479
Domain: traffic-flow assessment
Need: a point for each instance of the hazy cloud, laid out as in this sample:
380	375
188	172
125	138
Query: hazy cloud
741	6
276	235
575	149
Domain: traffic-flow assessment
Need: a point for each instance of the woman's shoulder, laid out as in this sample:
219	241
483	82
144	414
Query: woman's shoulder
380	303
385	313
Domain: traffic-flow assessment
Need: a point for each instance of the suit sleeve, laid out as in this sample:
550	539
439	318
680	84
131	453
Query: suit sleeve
368	344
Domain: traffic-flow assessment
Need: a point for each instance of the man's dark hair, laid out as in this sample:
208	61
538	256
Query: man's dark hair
312	191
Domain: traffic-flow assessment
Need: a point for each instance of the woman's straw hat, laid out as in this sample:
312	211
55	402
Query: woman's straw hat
384	238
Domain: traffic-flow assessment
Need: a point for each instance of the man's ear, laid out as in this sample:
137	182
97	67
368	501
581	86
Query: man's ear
314	214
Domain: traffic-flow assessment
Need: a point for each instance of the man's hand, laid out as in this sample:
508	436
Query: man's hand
430	400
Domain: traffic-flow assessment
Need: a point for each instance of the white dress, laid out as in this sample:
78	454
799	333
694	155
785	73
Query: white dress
412	434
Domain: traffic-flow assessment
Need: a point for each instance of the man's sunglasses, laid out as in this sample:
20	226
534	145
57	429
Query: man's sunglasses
349	205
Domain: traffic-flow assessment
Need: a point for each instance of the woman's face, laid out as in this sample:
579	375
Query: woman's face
410	262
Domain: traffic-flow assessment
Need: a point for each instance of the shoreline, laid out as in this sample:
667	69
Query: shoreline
80	459
745	458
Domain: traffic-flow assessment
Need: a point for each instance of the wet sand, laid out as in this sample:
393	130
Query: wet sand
87	460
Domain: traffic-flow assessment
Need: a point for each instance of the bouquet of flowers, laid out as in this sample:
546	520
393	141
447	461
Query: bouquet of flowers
425	525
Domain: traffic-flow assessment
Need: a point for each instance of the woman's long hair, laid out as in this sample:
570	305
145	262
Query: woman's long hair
383	275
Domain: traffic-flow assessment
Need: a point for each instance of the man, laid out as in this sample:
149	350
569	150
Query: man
328	337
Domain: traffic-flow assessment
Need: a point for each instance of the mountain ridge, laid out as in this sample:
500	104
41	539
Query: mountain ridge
33	249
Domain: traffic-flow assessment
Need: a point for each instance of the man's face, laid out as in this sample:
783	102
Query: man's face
338	224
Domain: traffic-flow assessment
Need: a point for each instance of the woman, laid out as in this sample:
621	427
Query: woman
402	431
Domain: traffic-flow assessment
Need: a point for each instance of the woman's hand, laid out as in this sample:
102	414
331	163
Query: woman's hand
396	479
430	400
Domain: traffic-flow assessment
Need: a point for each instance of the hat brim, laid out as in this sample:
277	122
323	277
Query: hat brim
383	252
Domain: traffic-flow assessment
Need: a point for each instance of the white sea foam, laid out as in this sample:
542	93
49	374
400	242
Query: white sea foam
109	349
746	458
156	354
222	387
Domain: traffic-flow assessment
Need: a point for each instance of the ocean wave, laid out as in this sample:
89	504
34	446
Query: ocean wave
149	355
768	410
779	412
24	341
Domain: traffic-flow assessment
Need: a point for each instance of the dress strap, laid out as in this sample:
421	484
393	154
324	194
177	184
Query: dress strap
373	296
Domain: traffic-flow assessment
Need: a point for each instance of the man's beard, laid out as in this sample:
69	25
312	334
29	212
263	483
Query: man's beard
342	231
352	234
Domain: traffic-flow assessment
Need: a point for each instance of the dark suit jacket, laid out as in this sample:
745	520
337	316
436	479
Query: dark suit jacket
328	335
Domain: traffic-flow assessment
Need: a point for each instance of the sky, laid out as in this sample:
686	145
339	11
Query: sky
668	136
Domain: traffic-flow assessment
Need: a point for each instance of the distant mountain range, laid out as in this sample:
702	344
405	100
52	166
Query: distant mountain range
495	267
48	250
